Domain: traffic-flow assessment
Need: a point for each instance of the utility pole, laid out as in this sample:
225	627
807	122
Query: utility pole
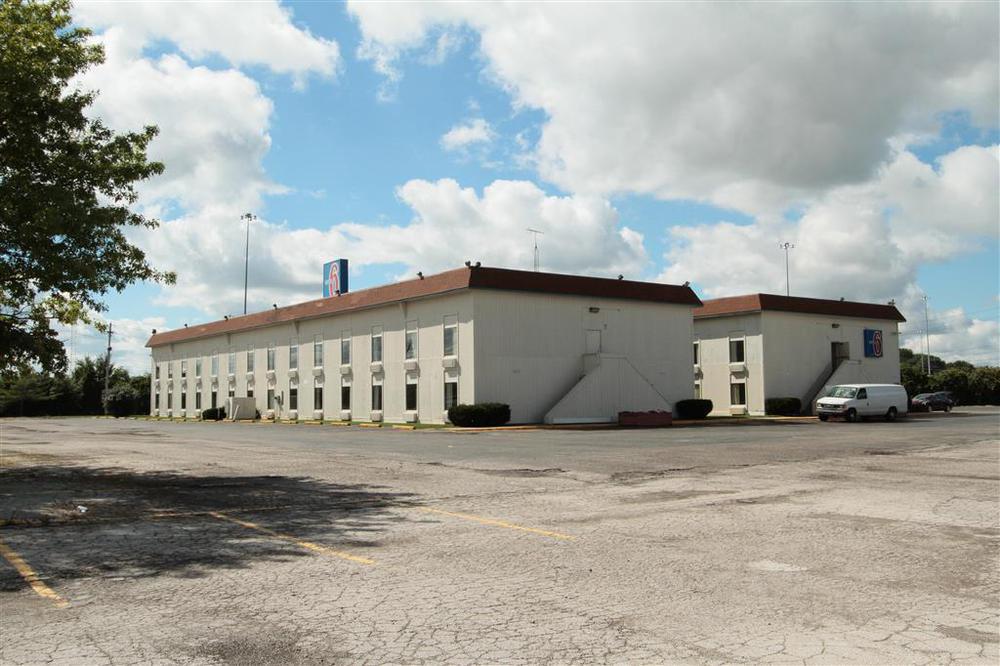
787	246
107	365
927	337
249	217
535	233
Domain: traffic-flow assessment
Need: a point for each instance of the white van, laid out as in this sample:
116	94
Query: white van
854	401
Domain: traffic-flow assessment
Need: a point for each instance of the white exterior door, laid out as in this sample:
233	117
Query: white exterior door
593	341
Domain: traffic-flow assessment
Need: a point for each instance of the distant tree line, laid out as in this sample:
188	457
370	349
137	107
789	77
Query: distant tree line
970	384
34	393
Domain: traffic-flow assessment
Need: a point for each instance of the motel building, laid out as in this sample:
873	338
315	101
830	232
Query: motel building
556	348
750	348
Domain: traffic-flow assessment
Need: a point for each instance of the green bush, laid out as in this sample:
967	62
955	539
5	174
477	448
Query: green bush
694	408
783	406
483	415
122	400
213	414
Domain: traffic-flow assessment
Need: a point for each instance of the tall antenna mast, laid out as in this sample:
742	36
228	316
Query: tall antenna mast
927	336
786	246
534	233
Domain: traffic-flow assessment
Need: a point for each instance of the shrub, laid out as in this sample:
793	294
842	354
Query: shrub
482	415
783	406
122	400
694	408
213	414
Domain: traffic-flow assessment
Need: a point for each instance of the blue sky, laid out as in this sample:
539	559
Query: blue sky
353	138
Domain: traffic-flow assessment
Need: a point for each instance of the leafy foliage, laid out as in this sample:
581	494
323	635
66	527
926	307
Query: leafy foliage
66	186
482	415
123	400
971	385
213	414
783	406
33	393
693	408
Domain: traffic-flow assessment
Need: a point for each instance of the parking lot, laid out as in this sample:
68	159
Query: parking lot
146	542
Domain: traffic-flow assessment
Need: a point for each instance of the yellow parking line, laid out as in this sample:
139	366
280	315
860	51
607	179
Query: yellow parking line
497	523
308	545
29	575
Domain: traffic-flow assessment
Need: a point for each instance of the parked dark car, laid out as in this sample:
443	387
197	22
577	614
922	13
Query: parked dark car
931	402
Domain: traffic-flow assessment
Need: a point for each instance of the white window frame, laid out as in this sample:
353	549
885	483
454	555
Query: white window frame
736	338
293	354
376	335
450	322
377	381
411	352
318	350
411	380
251	363
272	357
345	345
215	362
735	404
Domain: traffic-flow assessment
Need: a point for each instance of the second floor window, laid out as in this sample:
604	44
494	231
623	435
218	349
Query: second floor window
271	353
696	346
450	335
232	361
293	354
215	364
184	369
737	351
376	344
345	348
318	351
411	340
249	359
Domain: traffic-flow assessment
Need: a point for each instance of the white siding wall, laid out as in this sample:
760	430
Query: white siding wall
530	347
428	313
713	336
798	349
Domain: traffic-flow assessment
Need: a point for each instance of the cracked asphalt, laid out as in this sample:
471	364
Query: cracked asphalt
801	543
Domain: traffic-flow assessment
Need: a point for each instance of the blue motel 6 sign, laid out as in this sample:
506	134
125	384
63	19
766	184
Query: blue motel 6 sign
335	277
873	343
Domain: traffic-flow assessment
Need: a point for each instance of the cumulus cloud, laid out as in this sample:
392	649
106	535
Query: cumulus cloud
254	33
746	106
128	342
450	224
468	133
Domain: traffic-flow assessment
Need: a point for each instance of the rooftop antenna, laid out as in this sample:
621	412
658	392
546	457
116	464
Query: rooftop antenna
535	233
786	246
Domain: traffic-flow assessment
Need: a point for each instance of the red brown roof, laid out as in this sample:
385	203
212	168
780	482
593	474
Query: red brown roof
433	285
732	305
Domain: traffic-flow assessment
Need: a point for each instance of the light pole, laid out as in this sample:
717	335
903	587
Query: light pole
927	337
786	246
249	217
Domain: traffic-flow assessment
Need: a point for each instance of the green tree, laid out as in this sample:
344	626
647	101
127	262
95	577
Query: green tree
88	378
67	183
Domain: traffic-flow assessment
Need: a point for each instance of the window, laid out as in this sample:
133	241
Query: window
157	370
318	396
738	394
450	393
170	400
737	351
184	402
197	400
197	367
250	358
250	391
271	353
232	361
156	400
696	356
293	396
697	390
215	363
450	335
293	354
184	369
862	394
345	347
270	398
376	395
345	394
232	391
215	399
411	340
170	369
411	394
376	344
318	351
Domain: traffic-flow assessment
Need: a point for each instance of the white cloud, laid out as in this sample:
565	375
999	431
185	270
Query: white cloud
955	334
747	106
213	124
471	132
247	33
128	342
450	225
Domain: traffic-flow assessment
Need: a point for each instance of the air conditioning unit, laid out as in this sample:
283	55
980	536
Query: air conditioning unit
376	416
345	368
449	362
345	415
738	411
293	414
738	366
411	364
410	417
318	414
376	367
293	373
318	372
